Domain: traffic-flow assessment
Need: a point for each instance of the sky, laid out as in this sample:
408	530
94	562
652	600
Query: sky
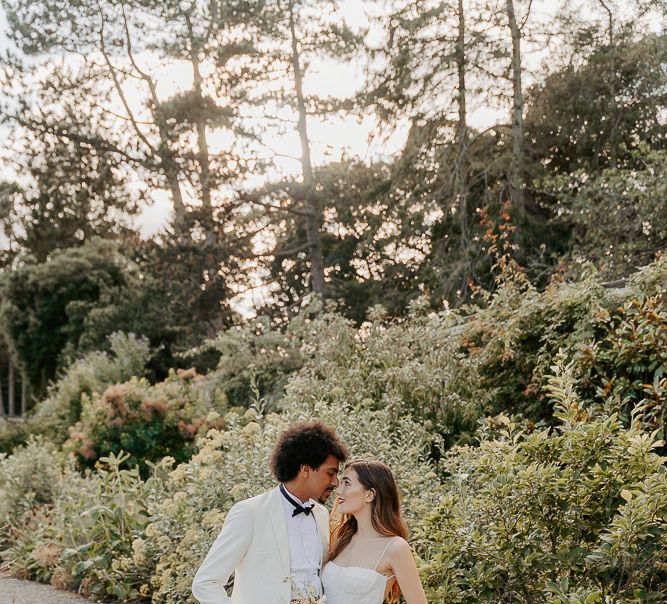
330	138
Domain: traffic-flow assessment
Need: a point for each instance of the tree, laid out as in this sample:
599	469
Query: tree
113	57
438	60
517	174
79	192
296	33
571	121
70	304
618	215
371	246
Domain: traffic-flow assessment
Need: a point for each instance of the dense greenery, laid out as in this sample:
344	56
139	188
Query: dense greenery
484	310
546	487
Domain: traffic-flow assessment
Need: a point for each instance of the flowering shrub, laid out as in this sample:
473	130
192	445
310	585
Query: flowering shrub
147	422
92	373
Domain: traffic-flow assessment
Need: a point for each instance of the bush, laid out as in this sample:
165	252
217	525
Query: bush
148	422
562	516
625	370
92	373
82	540
413	367
617	340
29	478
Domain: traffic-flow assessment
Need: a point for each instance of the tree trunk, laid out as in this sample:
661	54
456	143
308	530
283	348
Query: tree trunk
615	109
11	411
24	395
314	211
202	144
517	168
462	138
2	400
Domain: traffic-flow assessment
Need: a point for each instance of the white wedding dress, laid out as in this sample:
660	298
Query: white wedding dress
354	584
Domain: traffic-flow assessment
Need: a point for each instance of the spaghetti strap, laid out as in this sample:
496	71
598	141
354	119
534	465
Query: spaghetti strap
384	551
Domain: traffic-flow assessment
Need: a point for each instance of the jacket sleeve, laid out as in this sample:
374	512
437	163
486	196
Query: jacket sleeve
229	548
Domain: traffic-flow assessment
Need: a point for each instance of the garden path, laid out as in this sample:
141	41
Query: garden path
14	591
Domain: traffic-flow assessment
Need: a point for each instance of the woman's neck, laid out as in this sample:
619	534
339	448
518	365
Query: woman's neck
364	526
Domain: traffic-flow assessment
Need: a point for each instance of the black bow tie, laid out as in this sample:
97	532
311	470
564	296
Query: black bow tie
298	508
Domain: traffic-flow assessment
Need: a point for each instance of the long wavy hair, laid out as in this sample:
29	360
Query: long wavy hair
385	512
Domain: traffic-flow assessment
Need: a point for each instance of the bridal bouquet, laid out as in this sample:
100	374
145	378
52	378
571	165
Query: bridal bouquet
304	595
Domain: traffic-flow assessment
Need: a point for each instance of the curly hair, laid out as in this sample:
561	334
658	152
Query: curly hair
308	443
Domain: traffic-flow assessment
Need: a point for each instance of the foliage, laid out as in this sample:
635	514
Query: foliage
574	120
30	478
558	516
112	535
516	338
146	422
256	359
14	433
79	193
93	372
53	311
83	539
370	241
617	216
410	368
616	340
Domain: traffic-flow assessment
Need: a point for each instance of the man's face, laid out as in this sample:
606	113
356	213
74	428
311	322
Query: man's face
322	481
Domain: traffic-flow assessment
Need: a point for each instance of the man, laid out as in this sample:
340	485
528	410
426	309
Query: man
275	542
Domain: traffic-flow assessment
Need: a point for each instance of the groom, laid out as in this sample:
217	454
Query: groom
275	542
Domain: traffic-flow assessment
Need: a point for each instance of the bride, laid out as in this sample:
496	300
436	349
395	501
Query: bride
369	559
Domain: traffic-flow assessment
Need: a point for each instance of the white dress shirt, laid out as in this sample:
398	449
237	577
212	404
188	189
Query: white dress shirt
305	550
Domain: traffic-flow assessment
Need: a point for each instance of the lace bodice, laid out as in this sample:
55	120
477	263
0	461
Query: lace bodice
354	584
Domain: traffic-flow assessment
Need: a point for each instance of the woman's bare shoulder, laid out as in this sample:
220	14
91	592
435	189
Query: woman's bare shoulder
398	546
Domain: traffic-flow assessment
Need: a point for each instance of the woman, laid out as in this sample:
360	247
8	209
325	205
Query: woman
369	558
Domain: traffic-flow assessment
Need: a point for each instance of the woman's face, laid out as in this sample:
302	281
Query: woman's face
351	495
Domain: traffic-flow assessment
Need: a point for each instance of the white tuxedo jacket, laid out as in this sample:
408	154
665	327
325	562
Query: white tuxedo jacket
253	544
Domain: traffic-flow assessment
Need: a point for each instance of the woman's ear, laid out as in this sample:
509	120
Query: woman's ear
370	495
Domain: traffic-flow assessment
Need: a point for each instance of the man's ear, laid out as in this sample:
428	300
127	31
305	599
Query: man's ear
305	470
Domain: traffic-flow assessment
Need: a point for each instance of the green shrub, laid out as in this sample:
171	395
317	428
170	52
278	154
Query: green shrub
82	541
413	367
616	338
563	515
625	369
29	478
93	373
16	432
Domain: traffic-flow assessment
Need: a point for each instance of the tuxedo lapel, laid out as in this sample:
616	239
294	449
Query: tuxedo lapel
279	528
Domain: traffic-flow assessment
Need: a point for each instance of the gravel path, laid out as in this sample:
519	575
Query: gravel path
13	591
